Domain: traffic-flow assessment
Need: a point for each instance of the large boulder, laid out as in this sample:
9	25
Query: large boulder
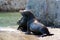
47	11
12	5
54	11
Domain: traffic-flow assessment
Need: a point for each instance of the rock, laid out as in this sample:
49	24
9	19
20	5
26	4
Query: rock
13	34
47	11
12	5
38	8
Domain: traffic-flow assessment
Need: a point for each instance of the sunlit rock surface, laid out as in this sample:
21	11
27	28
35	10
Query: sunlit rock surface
13	34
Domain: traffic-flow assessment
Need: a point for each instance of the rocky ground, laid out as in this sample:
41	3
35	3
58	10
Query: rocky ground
13	34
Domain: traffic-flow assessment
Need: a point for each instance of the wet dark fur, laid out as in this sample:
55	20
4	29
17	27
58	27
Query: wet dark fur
40	29
22	24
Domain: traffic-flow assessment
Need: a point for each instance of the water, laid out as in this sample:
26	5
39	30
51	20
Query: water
9	18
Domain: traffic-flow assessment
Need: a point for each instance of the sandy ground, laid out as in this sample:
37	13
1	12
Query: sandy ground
13	34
